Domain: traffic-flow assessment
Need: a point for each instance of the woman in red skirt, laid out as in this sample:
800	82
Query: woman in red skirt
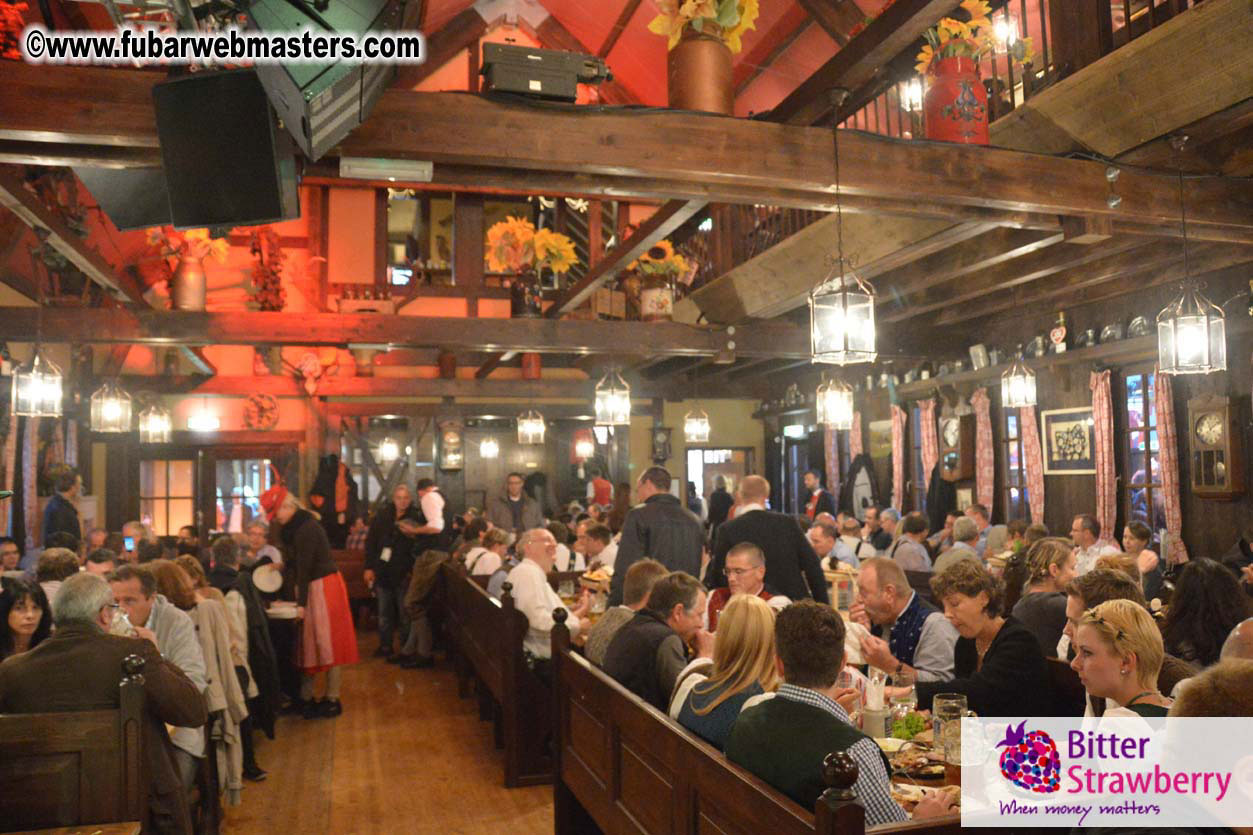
327	639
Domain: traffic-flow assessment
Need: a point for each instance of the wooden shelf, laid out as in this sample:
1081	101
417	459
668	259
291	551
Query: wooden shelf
1124	350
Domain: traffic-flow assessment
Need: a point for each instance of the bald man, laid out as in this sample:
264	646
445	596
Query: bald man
792	566
1239	643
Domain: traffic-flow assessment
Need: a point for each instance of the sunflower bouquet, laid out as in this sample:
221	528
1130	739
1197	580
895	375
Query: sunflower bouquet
970	38
661	260
724	19
515	246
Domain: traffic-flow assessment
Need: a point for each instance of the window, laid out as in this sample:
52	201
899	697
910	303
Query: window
918	484
1015	489
1142	497
167	495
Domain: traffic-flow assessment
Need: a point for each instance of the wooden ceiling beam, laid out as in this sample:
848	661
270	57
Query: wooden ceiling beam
462	32
563	336
862	59
760	157
115	360
24	204
619	26
1019	271
1156	263
277	385
836	17
482	411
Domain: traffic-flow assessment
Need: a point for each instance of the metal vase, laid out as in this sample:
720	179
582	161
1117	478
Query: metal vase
188	285
698	74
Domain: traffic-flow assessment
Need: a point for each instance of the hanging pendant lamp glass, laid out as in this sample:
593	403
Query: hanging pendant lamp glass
696	427
1018	386
613	400
110	409
531	427
37	388
155	425
834	402
489	448
1192	331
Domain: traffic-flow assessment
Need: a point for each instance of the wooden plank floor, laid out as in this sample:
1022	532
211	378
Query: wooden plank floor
407	756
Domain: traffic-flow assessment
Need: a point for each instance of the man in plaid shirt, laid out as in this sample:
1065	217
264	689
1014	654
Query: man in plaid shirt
785	739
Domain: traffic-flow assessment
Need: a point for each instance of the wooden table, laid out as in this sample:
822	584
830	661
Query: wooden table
128	828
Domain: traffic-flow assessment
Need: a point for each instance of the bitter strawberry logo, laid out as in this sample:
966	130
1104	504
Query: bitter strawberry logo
1030	760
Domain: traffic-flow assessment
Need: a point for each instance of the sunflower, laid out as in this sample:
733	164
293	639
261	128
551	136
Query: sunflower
978	11
553	250
748	19
950	28
925	56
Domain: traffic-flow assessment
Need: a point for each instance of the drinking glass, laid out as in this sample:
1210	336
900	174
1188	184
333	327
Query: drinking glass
947	710
847	679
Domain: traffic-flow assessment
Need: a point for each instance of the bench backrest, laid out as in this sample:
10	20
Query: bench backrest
351	565
479	623
73	768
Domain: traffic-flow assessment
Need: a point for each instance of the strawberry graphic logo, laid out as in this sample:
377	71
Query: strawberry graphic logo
1030	760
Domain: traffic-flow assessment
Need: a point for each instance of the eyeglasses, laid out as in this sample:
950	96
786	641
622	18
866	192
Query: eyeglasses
737	572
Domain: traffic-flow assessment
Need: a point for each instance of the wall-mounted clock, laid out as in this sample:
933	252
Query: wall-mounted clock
661	444
260	412
1216	448
957	447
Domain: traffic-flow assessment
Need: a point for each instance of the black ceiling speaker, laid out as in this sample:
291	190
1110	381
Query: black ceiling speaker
133	198
227	161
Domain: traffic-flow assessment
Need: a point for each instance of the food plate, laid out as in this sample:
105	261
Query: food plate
889	744
283	611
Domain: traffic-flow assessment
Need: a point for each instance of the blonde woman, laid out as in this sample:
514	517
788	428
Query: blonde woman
1118	654
1042	607
743	667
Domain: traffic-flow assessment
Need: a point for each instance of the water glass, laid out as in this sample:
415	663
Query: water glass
947	710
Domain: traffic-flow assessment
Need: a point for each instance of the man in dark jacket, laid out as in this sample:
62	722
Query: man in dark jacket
388	560
60	515
651	649
80	668
792	567
819	500
720	503
660	528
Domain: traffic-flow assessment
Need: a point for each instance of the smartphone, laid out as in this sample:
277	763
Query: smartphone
128	543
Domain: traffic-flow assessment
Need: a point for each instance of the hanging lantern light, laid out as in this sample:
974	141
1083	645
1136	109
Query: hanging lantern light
613	401
1192	332
37	388
834	402
696	427
389	450
110	409
531	427
584	448
841	308
1017	386
155	425
489	448
1191	336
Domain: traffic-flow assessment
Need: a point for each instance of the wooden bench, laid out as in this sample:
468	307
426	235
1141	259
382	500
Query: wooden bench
351	565
74	768
485	639
623	766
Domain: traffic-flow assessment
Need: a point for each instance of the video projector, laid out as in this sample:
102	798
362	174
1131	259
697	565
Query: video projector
542	73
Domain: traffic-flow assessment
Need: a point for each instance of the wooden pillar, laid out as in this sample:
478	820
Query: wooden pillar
467	247
382	257
318	206
595	237
472	80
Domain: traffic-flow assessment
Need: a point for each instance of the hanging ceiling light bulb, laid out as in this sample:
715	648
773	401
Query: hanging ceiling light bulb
841	308
613	400
37	388
110	409
834	401
696	427
1017	386
1192	331
204	420
489	448
155	425
389	450
531	427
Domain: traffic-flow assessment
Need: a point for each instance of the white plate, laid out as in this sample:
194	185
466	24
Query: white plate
890	744
267	578
282	613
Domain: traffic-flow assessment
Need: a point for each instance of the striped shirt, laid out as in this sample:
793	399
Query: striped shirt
872	786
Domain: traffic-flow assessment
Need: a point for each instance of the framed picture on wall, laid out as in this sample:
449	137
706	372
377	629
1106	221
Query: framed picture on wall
965	498
1068	438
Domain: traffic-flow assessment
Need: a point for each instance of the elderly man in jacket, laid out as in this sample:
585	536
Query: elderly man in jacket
80	667
658	527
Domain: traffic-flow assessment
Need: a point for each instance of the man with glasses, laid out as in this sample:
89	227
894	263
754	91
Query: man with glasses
514	511
535	598
746	574
79	667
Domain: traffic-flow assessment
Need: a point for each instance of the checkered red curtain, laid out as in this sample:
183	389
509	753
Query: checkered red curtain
930	439
854	437
1103	455
831	454
30	495
1035	461
985	461
898	456
1168	463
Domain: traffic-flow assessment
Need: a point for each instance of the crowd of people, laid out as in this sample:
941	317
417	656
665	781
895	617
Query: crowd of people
725	622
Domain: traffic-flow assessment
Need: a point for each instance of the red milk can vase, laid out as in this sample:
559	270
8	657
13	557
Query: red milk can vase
955	107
